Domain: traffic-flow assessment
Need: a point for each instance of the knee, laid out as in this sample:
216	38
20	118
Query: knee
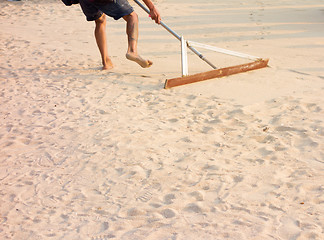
101	20
132	17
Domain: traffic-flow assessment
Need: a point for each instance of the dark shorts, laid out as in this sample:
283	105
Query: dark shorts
116	10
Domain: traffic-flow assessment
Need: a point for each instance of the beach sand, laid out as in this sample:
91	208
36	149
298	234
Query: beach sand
91	154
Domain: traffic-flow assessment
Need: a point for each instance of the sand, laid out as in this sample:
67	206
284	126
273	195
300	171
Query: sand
91	154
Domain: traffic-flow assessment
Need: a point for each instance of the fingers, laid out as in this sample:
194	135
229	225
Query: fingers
155	15
157	19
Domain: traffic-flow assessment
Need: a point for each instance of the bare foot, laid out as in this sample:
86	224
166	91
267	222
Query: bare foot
107	65
137	58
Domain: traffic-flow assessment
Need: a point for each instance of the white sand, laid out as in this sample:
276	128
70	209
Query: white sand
88	154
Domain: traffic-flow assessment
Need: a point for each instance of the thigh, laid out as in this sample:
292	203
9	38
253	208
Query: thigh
116	9
90	10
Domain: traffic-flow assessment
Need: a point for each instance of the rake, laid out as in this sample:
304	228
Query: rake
216	72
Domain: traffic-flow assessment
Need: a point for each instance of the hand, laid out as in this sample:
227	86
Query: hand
155	15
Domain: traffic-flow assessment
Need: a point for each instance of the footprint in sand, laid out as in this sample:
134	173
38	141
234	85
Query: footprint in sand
168	199
168	213
193	208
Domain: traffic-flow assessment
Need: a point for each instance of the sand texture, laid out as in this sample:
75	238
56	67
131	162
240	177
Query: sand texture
97	155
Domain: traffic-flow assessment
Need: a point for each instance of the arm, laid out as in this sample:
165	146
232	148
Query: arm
154	13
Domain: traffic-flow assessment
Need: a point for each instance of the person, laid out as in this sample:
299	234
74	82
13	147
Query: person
96	10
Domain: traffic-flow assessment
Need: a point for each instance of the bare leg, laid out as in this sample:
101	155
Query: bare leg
100	34
132	33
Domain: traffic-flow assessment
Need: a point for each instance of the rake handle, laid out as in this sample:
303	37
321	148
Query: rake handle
162	23
177	36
